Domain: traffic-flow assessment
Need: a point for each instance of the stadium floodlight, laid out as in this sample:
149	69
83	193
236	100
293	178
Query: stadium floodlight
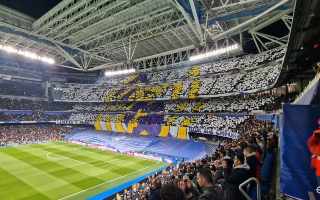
216	52
27	54
119	72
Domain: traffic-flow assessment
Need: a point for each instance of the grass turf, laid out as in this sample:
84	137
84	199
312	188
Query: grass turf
64	171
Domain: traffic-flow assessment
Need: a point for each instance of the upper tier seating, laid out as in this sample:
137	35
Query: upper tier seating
217	85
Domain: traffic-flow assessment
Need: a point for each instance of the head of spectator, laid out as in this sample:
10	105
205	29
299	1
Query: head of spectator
239	159
205	181
250	150
204	178
188	188
227	164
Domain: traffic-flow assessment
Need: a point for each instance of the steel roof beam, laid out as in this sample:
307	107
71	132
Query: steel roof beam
72	25
177	37
237	4
196	19
119	18
145	21
189	36
245	25
68	57
50	41
101	67
146	33
55	22
153	46
172	43
188	19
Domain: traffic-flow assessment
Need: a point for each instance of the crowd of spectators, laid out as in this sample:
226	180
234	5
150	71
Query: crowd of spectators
217	176
17	116
245	62
212	122
22	88
224	104
246	74
226	84
21	104
24	134
34	104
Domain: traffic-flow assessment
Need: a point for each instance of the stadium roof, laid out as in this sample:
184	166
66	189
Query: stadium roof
96	34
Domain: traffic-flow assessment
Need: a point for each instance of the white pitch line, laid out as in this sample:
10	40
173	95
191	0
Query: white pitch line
109	181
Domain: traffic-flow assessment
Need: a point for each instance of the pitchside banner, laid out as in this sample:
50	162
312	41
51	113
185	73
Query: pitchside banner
297	177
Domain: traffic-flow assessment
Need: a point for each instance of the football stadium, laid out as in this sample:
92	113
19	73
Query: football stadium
159	100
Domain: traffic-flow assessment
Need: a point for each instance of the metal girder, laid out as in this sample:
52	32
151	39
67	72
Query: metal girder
270	20
170	41
246	25
151	61
43	42
197	21
189	36
62	16
15	18
68	57
156	47
234	5
140	31
141	11
143	35
177	37
160	43
287	20
60	19
263	41
236	10
83	20
187	18
144	49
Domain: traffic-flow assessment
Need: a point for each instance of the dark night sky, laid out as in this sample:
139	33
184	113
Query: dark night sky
33	8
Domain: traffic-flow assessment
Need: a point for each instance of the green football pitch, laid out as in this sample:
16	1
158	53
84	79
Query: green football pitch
64	171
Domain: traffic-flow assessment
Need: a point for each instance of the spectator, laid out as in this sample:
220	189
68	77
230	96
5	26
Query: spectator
155	189
171	192
190	191
252	161
204	178
239	174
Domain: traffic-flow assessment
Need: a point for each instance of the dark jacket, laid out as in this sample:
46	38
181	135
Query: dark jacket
155	194
237	176
208	193
254	165
218	176
192	194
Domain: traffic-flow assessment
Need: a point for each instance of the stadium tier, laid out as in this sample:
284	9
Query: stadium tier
159	100
256	74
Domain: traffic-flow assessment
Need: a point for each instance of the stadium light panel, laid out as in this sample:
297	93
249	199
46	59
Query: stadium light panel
216	52
120	72
27	54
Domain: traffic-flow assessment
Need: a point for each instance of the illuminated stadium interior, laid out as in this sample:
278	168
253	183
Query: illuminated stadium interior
159	99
